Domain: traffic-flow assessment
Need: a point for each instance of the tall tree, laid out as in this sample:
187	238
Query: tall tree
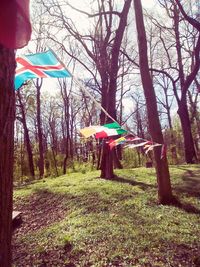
181	46
185	83
103	49
66	129
39	129
7	117
163	177
109	74
22	119
15	32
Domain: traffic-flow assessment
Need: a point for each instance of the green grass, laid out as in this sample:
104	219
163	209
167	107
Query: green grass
110	223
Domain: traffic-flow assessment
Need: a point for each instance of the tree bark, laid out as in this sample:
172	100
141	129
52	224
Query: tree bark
190	153
162	170
66	124
189	148
7	117
40	133
109	91
107	162
27	138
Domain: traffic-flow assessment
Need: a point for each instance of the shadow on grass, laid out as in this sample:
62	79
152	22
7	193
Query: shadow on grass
187	207
180	254
42	208
142	185
190	184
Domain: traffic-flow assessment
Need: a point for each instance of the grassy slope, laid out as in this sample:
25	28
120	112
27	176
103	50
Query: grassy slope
82	220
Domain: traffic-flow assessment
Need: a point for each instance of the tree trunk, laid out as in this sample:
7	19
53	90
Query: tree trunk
54	160
66	124
190	154
27	138
107	162
185	83
109	92
117	156
40	134
162	170
7	117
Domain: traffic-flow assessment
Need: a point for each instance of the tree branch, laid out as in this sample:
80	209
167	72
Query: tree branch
96	14
191	20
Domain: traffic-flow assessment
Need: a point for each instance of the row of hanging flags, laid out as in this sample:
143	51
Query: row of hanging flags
47	65
128	141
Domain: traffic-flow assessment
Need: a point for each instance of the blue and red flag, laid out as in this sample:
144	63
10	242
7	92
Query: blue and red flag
40	65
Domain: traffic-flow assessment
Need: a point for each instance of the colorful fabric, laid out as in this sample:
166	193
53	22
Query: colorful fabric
150	147
137	145
136	138
129	139
15	27
110	132
113	125
40	65
110	129
117	142
125	139
89	131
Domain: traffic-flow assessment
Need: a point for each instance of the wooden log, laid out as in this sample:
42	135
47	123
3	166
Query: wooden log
16	218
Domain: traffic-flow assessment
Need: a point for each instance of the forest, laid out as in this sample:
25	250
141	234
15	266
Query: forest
49	115
124	199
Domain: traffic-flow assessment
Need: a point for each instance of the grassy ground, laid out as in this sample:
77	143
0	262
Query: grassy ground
82	220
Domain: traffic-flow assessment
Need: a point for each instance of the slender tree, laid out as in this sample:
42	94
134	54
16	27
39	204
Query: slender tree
22	119
163	177
185	82
39	129
66	127
182	54
103	49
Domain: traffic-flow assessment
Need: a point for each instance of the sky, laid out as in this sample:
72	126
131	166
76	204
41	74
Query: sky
83	22
83	5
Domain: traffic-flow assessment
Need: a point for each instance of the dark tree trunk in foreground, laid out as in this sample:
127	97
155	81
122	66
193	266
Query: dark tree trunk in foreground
162	170
7	117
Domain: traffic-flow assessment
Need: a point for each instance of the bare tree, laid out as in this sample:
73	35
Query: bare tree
38	86
22	119
163	177
103	49
181	52
65	93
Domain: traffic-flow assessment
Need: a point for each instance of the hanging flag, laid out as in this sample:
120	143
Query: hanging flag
124	139
110	129
149	147
117	142
137	145
40	65
15	27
